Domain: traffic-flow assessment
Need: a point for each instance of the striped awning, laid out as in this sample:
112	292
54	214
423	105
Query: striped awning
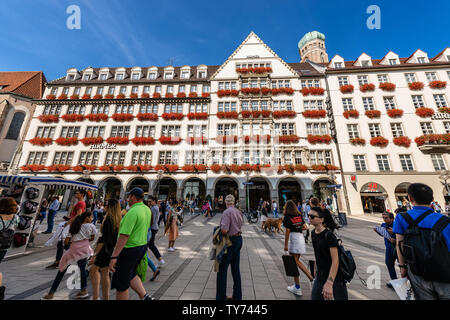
50	182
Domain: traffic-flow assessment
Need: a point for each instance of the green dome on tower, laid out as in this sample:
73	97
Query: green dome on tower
309	37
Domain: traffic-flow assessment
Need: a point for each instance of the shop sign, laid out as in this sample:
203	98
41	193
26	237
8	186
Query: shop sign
103	146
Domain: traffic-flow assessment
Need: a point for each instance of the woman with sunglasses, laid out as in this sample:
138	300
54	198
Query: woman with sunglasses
328	283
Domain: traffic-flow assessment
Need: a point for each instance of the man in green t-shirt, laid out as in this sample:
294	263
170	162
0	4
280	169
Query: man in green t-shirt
131	247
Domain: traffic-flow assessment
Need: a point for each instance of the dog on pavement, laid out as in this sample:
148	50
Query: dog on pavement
270	224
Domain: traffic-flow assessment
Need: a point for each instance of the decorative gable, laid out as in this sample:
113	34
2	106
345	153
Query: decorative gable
364	60
390	58
443	56
418	56
337	62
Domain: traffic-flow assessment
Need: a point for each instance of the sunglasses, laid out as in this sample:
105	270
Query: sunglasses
313	216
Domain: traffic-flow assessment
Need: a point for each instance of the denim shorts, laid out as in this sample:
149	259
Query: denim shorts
126	267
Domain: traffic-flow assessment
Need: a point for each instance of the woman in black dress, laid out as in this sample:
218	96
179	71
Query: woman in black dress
104	249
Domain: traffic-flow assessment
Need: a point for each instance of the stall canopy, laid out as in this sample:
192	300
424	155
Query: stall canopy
49	182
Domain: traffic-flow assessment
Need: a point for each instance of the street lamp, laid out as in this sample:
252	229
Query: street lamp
247	174
160	174
445	177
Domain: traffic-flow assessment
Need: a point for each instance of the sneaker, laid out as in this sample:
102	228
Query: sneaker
294	290
171	249
83	294
47	296
148	297
389	285
54	265
161	262
155	274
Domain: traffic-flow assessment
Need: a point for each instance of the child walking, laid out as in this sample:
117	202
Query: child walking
172	228
81	232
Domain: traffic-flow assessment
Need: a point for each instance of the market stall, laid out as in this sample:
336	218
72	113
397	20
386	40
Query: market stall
29	192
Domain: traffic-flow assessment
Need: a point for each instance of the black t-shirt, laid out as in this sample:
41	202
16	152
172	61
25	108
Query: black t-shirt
322	243
293	223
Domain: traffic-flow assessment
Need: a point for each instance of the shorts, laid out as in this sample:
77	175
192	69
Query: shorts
126	267
296	243
102	259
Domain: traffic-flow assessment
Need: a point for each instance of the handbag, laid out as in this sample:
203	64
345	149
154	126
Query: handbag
290	266
20	239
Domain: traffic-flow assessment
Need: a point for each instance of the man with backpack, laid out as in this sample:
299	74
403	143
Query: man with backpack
423	246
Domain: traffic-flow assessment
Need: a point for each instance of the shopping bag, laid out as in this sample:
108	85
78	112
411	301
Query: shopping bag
290	266
403	289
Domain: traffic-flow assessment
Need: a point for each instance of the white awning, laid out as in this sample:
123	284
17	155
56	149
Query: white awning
50	182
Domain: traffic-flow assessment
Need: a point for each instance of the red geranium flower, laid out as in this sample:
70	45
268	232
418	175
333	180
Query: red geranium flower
226	139
147	116
74	97
86	96
351	113
424	112
205	94
170	140
367	87
395	113
314	113
416	85
120	96
145	95
138	141
346	88
379	142
40	141
97	97
67	141
156	95
72	117
313	139
316	91
284	114
91	140
373	114
227	115
356	141
122	117
50	97
109	96
193	94
438	84
402	141
62	97
180	95
387	86
47	118
172	116
197	115
118	140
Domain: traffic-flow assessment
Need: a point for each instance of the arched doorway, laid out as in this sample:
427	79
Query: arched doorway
194	188
373	198
289	189
139	182
224	187
323	192
110	188
166	189
258	190
400	192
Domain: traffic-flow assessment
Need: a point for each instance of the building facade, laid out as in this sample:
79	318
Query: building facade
255	126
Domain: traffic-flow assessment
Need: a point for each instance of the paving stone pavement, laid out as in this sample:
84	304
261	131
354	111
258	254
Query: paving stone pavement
189	275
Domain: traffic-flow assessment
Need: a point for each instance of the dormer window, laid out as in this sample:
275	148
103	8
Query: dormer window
338	65
103	76
392	62
202	74
135	76
70	77
120	76
364	63
86	77
421	60
152	76
168	75
185	74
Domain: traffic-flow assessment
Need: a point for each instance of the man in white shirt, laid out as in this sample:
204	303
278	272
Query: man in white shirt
52	210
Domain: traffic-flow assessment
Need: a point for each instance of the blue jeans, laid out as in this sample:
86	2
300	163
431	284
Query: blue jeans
390	262
83	274
50	220
232	257
94	213
151	264
275	213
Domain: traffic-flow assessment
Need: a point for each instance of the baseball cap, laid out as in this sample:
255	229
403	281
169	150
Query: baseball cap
138	192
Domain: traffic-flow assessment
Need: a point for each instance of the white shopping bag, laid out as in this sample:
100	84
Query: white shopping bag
403	289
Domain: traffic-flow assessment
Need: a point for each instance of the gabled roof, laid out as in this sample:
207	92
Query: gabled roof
28	83
439	54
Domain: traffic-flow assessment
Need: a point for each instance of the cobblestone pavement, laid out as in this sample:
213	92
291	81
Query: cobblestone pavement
189	275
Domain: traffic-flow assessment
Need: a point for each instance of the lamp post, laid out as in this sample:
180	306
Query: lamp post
160	174
247	174
333	177
445	177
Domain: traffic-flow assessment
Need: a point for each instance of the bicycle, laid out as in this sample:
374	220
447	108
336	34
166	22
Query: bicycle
252	217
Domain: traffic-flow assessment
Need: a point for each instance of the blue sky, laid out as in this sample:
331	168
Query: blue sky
144	33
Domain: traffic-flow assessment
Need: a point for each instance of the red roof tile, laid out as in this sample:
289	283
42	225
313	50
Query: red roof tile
28	83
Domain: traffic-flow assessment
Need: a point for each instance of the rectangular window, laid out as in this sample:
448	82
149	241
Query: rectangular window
365	63
69	132
95	131
440	100
427	128
193	88
148	108
168	75
363	79
338	65
342	81
135	76
438	162
152	76
421	60
410	77
145	131
347	104
63	158
374	129
115	158
71	109
447	126
389	103
368	103
298	157
418	101
37	158
431	76
141	157
406	162
397	130
103	76
352	131
120	131
45	132
392	62
123	108
120	76
89	158
360	162
111	90
382	78
100	108
383	162
53	109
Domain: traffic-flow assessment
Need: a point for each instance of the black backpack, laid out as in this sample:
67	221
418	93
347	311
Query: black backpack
6	235
425	250
347	265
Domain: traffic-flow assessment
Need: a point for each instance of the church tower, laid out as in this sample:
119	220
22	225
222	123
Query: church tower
312	47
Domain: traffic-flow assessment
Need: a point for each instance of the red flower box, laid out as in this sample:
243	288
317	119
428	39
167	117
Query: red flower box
118	140
67	141
156	95
313	139
266	113
122	117
373	114
316	91
109	96
433	139
147	116
258	70
379	142
139	167
72	117
251	90
40	141
424	112
300	168
138	141
227	115
120	96
91	140
97	97
314	114
197	140
387	86
50	97
402	141
216	168
288	91
288	139
346	88
416	85
188	168
318	167
84	167
172	116
33	167
96	117
106	168
438	84
395	113
58	167
145	96
197	115
227	93
118	167
86	97
226	139
180	95
170	140
246	114
133	96
331	167
351	113
265	91
284	114
47	118
356	141
74	97
305	91
168	95
256	114
367	87
194	94
204	94
62	97
167	167
444	110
